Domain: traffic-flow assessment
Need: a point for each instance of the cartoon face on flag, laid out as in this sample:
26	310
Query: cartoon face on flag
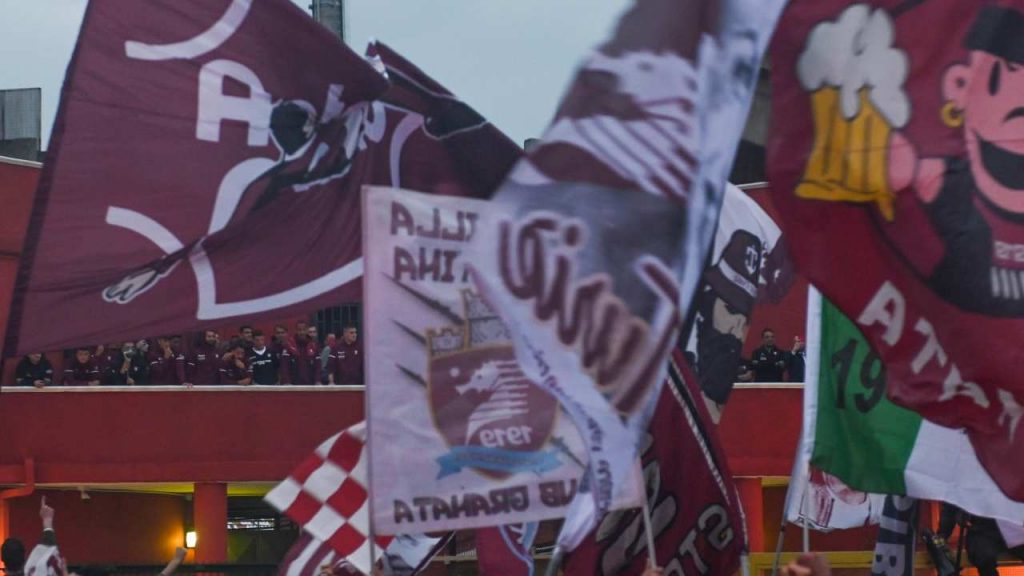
899	182
201	142
459	436
748	260
971	199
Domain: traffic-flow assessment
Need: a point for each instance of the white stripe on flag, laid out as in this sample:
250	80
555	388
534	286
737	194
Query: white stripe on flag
943	466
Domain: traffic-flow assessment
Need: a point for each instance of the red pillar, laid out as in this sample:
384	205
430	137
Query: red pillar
752	498
210	513
5	516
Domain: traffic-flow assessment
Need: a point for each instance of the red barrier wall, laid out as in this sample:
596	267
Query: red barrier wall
107	528
223	435
760	428
17	188
102	435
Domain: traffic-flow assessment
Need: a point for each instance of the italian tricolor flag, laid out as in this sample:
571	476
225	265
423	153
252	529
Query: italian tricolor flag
852	431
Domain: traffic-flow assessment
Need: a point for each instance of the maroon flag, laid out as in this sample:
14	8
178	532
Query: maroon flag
695	513
899	179
206	165
506	550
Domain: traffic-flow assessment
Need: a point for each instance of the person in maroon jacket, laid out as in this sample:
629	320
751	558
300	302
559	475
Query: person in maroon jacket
284	348
347	359
83	370
202	367
166	365
307	356
106	356
234	369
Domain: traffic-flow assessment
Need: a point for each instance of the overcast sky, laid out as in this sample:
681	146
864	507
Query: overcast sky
509	59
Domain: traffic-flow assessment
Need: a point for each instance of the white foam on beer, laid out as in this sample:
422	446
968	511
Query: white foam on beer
853	52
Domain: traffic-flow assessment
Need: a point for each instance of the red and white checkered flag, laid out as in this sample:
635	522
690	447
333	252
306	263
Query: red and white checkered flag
327	495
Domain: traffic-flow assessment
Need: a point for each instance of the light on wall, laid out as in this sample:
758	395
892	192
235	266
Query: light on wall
190	539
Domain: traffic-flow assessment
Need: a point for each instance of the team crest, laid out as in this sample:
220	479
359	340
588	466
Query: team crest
494	419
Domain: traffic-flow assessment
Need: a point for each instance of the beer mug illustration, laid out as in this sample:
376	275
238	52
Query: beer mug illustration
854	77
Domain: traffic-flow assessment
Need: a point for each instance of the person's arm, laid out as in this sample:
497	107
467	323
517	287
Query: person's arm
808	564
46	514
744	373
172	566
69	377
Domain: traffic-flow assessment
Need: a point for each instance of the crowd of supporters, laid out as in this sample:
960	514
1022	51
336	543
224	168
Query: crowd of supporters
249	357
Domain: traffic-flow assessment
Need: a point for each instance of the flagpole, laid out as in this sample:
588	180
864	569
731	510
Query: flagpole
649	529
801	473
645	510
805	523
811	375
555	562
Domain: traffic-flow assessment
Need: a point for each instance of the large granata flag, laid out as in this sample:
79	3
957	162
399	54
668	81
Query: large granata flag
603	230
899	177
459	436
206	164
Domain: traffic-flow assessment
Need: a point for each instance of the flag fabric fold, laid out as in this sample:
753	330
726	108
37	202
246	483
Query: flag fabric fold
506	550
853	432
327	495
406	555
576	250
695	510
890	182
279	125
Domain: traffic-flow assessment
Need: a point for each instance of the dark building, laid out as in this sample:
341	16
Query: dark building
20	123
330	13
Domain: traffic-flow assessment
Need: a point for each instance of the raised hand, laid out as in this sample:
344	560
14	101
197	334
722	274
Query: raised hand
46	513
809	564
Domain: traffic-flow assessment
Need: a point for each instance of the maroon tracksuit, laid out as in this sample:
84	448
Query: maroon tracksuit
307	361
203	366
106	360
78	374
165	371
230	373
347	363
286	361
